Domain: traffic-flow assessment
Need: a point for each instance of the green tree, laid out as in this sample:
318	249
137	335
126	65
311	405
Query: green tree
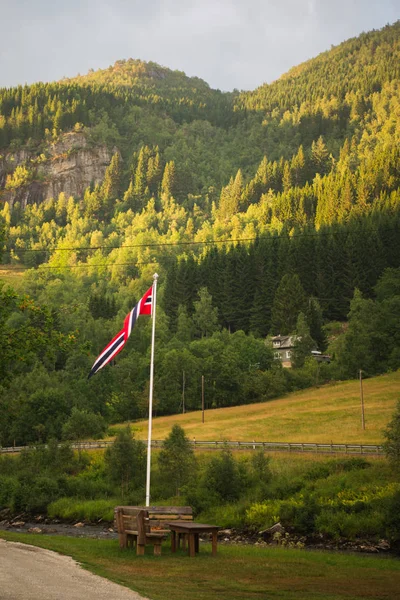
184	329
176	460
83	424
303	343
169	180
112	179
223	477
205	316
392	443
125	461
289	301
314	320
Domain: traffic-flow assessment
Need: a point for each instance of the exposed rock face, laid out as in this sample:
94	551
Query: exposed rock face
69	165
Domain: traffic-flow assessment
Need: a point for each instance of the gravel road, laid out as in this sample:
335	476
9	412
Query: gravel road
30	573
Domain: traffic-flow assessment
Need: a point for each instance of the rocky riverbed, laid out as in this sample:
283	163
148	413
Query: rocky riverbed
275	536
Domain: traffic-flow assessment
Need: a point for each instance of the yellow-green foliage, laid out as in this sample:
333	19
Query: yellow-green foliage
20	177
263	514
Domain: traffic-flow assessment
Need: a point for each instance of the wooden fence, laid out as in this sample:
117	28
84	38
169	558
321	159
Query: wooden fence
306	448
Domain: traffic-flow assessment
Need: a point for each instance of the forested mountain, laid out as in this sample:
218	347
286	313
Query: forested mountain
263	212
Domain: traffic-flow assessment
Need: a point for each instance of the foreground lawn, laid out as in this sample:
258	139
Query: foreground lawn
238	572
325	414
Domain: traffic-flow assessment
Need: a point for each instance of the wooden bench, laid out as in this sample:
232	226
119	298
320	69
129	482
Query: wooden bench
136	530
140	525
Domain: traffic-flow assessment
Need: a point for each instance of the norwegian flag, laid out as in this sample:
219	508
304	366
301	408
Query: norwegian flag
143	307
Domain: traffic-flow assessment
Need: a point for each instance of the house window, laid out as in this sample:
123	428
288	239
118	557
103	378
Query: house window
288	354
277	355
276	344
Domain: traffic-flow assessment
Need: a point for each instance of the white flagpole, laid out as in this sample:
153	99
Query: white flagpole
153	314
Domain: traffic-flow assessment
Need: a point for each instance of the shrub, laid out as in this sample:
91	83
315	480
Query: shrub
263	515
392	435
355	525
83	424
223	476
125	461
392	520
8	489
226	516
300	515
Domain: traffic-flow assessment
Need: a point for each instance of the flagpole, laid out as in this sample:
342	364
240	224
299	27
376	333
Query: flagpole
153	314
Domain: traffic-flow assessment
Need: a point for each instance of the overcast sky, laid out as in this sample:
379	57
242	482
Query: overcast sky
228	43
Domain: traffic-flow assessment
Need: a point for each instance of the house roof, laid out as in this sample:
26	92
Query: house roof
285	341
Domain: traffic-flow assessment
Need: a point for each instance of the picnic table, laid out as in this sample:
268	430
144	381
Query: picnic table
192	530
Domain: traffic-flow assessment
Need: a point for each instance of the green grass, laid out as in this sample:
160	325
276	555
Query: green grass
325	414
71	509
236	573
12	275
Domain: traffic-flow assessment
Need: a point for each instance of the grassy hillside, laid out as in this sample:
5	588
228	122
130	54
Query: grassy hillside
11	276
329	413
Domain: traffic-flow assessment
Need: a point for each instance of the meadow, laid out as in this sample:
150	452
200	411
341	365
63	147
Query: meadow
330	413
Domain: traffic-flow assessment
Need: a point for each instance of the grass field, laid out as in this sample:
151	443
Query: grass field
11	275
325	414
236	573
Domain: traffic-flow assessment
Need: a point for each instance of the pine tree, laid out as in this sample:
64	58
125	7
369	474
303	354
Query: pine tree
205	316
168	184
112	178
303	343
289	301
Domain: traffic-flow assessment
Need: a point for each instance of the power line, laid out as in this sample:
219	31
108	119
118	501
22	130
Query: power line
198	243
85	266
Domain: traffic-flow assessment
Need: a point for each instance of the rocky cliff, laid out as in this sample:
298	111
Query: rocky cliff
68	165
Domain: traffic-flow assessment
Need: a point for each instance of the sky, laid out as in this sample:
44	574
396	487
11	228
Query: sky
229	43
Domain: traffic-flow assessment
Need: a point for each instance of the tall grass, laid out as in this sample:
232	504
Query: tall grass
75	509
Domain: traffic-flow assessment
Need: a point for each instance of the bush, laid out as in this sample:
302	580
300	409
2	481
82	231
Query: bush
83	424
300	515
392	435
226	516
8	489
223	476
392	520
34	494
263	515
355	525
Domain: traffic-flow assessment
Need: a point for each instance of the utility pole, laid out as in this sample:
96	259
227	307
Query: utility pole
183	392
362	402
202	398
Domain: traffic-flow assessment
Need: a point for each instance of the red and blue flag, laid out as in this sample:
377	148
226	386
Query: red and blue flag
143	307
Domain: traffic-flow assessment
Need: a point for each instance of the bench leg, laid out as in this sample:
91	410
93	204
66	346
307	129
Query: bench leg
157	549
184	539
173	541
140	549
214	543
123	540
192	550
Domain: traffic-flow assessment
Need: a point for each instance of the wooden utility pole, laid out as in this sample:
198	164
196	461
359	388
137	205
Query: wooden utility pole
183	392
362	402
202	398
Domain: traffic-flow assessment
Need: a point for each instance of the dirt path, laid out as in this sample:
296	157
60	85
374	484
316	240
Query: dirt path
31	573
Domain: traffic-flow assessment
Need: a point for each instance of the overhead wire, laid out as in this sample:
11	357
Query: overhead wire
192	242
